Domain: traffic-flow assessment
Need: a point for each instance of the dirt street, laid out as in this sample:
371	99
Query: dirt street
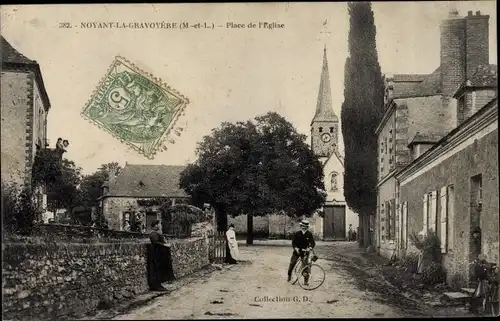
258	289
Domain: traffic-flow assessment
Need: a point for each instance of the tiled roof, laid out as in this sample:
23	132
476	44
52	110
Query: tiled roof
9	54
414	85
409	77
431	85
484	76
426	138
148	181
12	57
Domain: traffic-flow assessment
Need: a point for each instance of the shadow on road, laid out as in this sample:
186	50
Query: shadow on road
366	270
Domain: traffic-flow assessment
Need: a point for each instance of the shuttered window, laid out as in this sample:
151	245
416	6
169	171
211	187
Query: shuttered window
433	211
404	234
444	219
393	219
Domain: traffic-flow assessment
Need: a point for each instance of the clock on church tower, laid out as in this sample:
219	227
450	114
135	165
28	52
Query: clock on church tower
324	125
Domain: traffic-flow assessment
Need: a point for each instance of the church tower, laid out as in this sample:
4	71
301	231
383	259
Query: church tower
325	124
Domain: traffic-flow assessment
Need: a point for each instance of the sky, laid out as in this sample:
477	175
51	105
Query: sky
228	74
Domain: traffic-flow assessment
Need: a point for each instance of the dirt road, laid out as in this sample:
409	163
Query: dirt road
258	289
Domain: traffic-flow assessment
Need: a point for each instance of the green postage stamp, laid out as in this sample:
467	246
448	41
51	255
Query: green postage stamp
135	107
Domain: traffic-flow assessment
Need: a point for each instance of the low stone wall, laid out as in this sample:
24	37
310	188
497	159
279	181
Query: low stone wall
63	280
188	256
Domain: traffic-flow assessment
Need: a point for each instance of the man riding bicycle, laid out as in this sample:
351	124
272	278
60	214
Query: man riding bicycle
302	243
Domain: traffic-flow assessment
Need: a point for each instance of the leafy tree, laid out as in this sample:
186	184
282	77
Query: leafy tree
91	185
63	191
361	113
19	210
255	168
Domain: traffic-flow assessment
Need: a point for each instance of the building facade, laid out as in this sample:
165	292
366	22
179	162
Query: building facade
124	194
419	111
25	105
452	190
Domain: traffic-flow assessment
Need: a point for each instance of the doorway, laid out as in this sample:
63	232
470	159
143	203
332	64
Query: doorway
334	223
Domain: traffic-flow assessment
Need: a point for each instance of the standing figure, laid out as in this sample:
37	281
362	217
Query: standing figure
349	233
59	144
302	240
232	245
157	258
65	144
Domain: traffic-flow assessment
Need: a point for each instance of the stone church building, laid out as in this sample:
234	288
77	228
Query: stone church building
325	143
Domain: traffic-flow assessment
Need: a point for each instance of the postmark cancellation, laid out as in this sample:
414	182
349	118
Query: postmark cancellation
135	107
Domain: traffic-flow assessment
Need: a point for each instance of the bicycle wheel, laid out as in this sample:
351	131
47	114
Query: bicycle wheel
295	273
315	276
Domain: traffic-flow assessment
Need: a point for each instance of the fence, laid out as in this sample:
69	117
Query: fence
217	246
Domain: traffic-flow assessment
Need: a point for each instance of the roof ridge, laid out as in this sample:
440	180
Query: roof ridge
11	55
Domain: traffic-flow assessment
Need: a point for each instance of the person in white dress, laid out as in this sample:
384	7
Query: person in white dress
232	244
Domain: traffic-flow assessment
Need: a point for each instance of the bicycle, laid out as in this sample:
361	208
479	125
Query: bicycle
305	269
486	296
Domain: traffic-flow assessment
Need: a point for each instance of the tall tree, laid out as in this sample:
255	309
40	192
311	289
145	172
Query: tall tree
361	113
91	186
255	168
63	191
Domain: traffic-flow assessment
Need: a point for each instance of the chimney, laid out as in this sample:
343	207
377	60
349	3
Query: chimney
452	53
112	176
389	88
477	42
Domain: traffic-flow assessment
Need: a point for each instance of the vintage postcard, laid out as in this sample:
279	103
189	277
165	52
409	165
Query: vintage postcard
249	160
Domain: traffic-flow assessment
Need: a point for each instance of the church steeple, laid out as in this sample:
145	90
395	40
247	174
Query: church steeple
325	124
324	108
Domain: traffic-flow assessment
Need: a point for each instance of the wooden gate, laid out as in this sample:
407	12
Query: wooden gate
217	244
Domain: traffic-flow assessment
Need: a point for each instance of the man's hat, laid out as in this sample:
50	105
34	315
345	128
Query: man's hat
304	223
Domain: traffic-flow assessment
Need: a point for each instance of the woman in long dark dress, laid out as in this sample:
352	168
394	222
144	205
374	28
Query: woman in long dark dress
158	258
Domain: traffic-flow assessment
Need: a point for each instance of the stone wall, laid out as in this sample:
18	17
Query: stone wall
17	88
189	255
50	281
276	225
260	224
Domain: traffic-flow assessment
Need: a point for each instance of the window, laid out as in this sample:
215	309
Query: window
476	196
425	217
331	129
333	182
321	129
444	219
382	222
461	109
450	207
432	211
404	223
388	220
126	220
